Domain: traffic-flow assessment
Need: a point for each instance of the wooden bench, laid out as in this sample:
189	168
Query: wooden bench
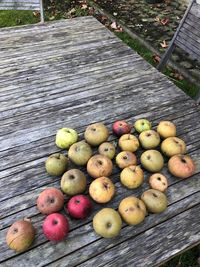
23	5
187	36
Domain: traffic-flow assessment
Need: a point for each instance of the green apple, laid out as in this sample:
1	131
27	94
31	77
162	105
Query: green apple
142	125
149	139
79	153
154	200
96	133
107	223
65	137
56	164
73	182
152	160
107	149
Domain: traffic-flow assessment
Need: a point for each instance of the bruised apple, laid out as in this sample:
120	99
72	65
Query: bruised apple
102	190
154	200
128	142
96	133
73	182
132	210
107	149
99	165
20	235
166	129
132	176
152	160
79	206
121	127
158	181
107	223
50	200
125	159
172	146
149	139
181	166
79	153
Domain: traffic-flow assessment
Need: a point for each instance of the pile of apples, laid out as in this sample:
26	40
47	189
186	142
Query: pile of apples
107	222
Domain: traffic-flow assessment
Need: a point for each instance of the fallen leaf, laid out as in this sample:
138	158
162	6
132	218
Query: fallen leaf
119	29
156	58
164	44
164	21
114	25
177	75
84	6
157	19
115	14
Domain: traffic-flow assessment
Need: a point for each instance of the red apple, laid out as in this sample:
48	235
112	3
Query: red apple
121	127
50	200
79	206
55	227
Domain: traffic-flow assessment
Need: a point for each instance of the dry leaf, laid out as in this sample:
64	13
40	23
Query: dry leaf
114	25
156	58
164	21
119	29
164	44
157	19
84	6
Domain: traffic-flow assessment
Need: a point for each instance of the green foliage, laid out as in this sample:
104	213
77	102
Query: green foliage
10	18
184	84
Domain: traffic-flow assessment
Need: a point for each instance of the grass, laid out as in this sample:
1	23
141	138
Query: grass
184	84
13	18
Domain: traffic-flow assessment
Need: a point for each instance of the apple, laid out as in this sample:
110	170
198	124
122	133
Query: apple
152	160
79	207
65	137
132	176
158	181
55	227
79	153
154	200
166	129
99	165
56	164
149	139
107	223
142	125
73	182
20	235
107	149
102	190
121	127
181	166
172	146
125	159
50	200
128	142
132	210
96	133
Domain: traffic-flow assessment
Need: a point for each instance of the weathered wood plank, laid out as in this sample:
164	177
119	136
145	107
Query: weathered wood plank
85	235
97	247
195	10
178	236
45	146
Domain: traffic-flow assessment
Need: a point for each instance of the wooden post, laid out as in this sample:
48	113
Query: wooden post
41	12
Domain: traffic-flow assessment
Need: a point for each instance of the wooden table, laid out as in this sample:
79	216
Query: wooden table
70	74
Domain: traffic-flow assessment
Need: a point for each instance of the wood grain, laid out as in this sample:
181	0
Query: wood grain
73	73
